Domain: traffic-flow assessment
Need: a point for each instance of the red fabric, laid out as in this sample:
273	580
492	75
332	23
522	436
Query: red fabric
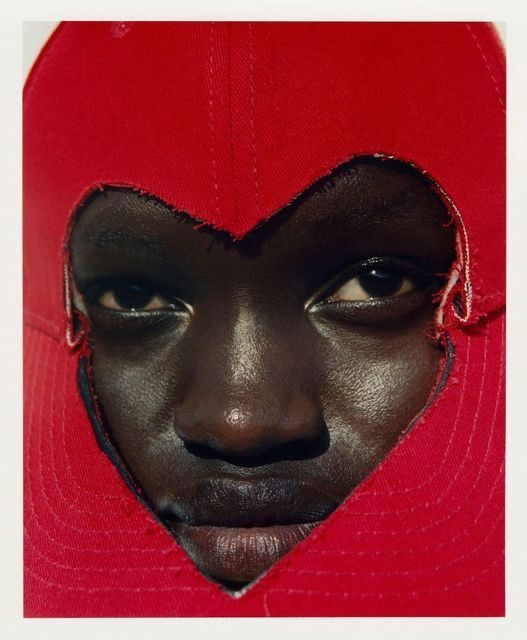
228	122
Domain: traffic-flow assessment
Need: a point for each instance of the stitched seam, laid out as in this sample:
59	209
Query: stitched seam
324	527
252	120
65	587
396	453
78	488
437	471
43	330
465	458
462	265
49	503
485	349
405	531
33	315
91	403
462	269
231	137
31	503
211	121
105	569
464	533
434	568
379	595
79	491
44	492
486	61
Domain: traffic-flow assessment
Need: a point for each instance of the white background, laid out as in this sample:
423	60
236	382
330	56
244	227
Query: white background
13	66
36	34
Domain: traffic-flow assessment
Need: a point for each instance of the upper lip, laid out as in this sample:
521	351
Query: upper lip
227	502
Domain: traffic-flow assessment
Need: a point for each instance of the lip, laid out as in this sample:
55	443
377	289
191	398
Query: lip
255	502
238	554
235	529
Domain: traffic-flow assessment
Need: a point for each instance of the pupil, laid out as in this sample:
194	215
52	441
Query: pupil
380	284
132	296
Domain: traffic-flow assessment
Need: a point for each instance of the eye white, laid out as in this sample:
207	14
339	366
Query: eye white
108	301
353	291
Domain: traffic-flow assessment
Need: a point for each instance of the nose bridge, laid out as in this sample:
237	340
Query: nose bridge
246	349
251	387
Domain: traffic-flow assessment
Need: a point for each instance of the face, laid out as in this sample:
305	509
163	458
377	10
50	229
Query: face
251	385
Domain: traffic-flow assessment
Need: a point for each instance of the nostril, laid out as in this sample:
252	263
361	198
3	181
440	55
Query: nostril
241	432
255	428
292	450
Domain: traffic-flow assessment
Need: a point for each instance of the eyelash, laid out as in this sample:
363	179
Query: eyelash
403	267
94	291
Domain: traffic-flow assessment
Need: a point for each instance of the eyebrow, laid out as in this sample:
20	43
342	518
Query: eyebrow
377	204
377	210
119	238
399	210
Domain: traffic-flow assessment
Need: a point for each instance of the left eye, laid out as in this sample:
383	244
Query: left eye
376	283
131	297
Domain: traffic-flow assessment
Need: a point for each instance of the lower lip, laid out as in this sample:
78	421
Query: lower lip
238	554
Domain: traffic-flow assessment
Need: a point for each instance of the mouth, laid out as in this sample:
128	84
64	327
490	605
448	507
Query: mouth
236	556
234	530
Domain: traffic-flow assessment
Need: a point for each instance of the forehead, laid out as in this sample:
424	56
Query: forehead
367	206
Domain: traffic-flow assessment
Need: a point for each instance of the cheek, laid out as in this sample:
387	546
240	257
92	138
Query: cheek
374	384
369	385
138	393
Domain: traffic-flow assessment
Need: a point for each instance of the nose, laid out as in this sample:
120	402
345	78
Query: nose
250	389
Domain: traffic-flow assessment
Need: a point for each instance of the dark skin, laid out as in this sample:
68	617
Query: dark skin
251	385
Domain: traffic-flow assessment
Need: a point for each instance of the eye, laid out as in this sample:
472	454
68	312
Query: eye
376	292
132	297
375	283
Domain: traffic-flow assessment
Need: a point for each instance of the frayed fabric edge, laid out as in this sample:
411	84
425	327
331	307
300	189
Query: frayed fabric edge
456	303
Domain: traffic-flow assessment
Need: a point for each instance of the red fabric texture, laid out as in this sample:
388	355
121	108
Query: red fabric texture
228	123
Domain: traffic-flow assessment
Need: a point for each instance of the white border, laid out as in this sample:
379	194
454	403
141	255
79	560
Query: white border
11	17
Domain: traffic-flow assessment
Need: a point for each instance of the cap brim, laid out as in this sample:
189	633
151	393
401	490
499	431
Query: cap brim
422	536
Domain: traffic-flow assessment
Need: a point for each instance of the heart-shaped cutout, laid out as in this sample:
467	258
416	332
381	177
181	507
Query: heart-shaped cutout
244	388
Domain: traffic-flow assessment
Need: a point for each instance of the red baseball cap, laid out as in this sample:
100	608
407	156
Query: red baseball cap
229	122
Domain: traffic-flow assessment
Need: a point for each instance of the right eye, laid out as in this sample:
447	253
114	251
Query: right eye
128	306
132	297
